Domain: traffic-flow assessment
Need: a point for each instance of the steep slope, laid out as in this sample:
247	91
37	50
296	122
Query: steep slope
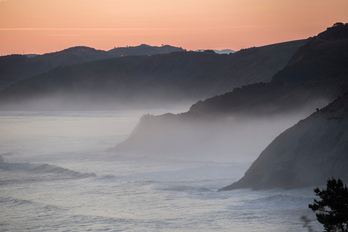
323	59
318	70
148	81
309	153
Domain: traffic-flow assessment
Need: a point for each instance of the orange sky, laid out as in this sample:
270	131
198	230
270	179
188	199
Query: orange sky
41	26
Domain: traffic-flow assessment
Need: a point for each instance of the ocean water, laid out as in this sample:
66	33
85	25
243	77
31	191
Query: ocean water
56	175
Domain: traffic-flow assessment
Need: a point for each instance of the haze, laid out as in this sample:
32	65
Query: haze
41	26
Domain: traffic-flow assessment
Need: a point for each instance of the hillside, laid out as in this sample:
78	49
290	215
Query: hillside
147	81
317	71
14	68
307	154
256	112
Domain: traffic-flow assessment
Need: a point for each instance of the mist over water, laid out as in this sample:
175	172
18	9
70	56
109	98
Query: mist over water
209	138
56	175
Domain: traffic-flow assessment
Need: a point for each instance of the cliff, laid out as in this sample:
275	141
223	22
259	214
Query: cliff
307	154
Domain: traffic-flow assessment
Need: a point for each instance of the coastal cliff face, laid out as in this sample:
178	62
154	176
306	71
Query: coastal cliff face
306	154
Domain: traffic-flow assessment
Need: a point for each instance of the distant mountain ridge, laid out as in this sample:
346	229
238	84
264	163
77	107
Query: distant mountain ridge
14	68
147	81
223	51
143	50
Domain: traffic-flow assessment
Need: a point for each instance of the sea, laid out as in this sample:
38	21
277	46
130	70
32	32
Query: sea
56	174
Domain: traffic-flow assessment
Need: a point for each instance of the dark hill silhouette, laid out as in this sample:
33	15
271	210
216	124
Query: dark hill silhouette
237	110
323	59
147	81
317	71
14	68
143	50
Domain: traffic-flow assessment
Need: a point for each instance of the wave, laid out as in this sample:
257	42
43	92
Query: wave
107	177
185	188
15	201
282	199
55	172
46	168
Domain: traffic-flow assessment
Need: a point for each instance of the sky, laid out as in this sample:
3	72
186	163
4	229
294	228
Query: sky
41	26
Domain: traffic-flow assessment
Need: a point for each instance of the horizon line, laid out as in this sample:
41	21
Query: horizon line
123	28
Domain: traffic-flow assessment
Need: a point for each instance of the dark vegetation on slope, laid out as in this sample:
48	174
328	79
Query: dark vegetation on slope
318	70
